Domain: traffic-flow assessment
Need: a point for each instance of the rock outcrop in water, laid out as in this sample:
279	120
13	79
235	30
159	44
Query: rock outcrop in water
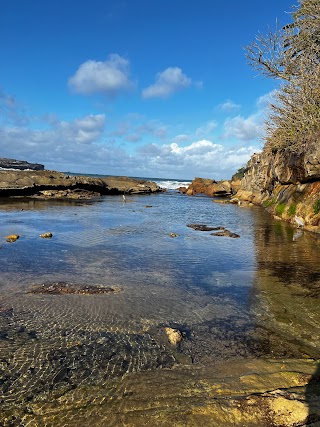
286	183
19	164
50	184
210	187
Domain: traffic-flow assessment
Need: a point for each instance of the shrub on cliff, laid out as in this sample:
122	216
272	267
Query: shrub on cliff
292	54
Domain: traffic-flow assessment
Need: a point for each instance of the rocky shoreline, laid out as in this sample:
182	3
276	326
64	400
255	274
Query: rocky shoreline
46	184
287	184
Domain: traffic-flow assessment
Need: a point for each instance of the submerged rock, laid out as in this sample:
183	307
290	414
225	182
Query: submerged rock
203	227
64	288
226	233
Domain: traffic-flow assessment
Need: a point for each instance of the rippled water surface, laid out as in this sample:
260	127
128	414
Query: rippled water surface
254	296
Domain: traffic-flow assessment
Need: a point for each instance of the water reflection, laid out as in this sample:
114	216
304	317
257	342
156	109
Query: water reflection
287	289
256	296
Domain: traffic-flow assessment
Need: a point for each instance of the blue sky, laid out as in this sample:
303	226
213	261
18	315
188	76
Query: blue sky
133	87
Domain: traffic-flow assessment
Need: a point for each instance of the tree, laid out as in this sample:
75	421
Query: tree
292	55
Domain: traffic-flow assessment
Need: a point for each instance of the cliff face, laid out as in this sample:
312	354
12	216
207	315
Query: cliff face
286	183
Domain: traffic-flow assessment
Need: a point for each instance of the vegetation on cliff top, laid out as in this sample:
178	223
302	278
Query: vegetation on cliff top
292	54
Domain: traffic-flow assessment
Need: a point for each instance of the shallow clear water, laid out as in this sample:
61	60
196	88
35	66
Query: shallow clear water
254	296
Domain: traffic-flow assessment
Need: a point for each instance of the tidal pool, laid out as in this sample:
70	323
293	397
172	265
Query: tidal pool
103	359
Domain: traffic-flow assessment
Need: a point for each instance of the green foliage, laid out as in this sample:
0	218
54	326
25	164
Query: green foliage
292	54
280	208
269	202
292	209
239	174
316	206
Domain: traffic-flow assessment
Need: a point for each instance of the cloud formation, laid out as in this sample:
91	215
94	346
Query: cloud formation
228	106
55	143
201	158
206	129
135	128
110	77
242	128
167	82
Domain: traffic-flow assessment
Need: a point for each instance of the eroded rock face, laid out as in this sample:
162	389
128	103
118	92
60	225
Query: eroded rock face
51	184
286	183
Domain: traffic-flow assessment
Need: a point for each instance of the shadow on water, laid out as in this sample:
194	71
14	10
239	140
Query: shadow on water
312	398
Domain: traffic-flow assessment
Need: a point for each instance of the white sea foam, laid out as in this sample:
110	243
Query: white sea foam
172	184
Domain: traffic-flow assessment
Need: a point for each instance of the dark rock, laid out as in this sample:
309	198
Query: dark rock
64	288
226	233
203	227
19	164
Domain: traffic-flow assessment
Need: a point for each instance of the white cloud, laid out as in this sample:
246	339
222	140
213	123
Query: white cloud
181	138
135	128
10	110
167	82
55	142
84	130
229	106
206	129
200	158
242	128
96	77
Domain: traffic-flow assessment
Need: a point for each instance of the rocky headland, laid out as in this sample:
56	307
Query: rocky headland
286	183
46	184
19	164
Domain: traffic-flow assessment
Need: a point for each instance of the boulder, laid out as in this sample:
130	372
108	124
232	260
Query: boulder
210	187
12	238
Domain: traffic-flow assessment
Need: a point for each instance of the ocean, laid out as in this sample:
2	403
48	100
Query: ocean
64	357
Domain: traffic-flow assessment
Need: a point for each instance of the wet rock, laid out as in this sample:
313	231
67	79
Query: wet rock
210	187
183	190
63	288
12	238
77	194
51	184
226	233
46	235
203	227
148	206
174	335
